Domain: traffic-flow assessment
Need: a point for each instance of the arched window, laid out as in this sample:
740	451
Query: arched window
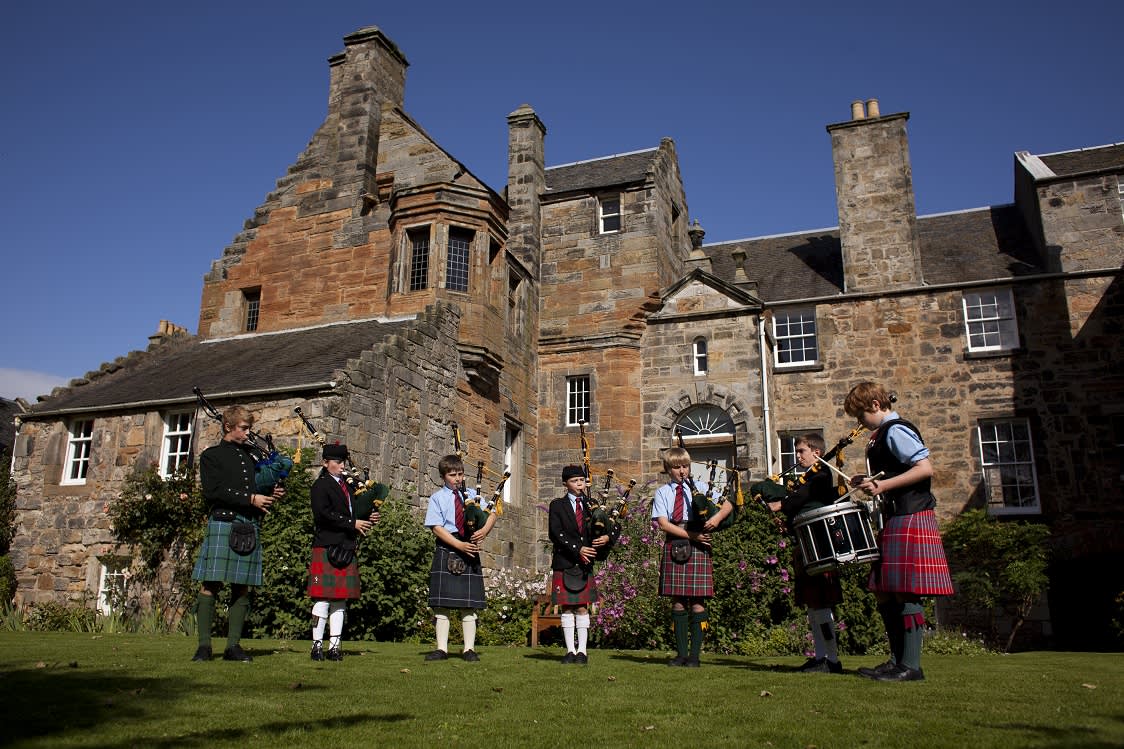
705	421
700	356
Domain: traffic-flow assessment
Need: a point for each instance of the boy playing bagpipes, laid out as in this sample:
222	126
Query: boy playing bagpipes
575	549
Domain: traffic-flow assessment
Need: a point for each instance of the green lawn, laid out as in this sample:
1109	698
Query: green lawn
71	690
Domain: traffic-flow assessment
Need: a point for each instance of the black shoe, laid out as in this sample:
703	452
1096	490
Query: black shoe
436	655
570	658
470	656
881	668
835	667
819	667
334	654
903	673
691	662
581	659
812	664
678	661
236	653
203	653
317	651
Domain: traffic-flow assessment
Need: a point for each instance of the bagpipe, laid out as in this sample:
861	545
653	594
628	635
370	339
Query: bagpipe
475	516
605	515
703	505
367	495
271	467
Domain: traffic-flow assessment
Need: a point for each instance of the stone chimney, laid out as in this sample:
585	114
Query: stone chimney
368	74
166	330
874	191
526	182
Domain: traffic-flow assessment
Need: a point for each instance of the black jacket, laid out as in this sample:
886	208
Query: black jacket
564	534
226	473
332	519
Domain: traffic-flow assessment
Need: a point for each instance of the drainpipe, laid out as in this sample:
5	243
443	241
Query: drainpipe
765	398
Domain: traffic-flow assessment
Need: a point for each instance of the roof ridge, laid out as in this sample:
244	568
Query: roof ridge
603	158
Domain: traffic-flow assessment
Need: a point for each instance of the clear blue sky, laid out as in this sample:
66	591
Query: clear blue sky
134	142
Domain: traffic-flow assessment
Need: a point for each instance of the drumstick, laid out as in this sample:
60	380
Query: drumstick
847	496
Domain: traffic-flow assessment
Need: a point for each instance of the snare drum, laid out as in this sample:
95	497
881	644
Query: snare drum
835	535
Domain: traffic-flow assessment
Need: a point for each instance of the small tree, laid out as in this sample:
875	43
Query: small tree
7	530
998	567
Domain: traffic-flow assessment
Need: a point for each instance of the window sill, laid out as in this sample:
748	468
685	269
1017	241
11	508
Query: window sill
1013	511
997	354
811	367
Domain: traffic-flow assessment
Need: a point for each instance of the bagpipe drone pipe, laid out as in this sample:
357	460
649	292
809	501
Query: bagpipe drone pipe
271	467
703	505
367	495
605	513
475	515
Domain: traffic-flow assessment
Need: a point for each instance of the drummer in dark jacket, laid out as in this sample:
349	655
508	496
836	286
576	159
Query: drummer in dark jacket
333	578
231	550
575	549
819	593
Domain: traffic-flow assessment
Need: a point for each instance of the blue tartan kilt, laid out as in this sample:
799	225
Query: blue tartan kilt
326	582
561	596
692	579
218	563
449	591
912	557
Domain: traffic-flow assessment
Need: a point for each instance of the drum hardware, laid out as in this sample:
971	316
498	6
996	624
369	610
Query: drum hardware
835	535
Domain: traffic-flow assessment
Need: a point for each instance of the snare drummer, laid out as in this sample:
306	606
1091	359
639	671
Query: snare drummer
819	593
912	561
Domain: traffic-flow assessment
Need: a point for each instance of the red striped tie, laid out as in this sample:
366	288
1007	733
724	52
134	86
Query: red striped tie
680	503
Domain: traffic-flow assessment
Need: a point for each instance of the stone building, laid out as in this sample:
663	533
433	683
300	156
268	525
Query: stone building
390	293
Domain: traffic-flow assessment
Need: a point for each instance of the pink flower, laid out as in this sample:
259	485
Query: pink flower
782	544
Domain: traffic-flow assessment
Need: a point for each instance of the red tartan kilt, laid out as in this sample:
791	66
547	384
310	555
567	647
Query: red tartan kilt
326	583
562	597
912	557
692	579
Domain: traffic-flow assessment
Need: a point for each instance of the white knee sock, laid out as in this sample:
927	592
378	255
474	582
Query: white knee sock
567	620
319	619
468	629
442	626
582	623
335	622
822	622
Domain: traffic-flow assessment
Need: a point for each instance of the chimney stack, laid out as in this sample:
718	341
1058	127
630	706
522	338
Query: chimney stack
526	182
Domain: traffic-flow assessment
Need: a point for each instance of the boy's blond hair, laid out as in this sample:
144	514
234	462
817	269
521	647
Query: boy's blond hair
676	457
235	414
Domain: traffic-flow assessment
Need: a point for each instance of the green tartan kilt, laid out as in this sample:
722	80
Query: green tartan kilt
218	563
329	583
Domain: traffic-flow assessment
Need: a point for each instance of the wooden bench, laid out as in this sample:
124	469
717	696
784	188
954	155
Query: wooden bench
544	615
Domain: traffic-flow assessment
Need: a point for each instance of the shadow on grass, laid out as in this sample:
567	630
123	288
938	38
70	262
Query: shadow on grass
1066	737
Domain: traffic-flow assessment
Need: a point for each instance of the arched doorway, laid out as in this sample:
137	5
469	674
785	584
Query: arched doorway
708	434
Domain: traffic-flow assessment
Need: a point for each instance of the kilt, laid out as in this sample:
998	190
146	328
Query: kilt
816	591
327	583
449	591
563	597
692	579
218	563
913	559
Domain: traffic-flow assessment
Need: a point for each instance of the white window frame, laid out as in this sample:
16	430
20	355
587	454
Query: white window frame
699	356
252	299
512	459
113	577
607	219
176	445
1007	467
989	320
786	332
579	400
79	447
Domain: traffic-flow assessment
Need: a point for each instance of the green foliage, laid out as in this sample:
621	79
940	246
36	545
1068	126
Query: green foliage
505	621
7	504
942	642
998	566
52	616
7	581
163	520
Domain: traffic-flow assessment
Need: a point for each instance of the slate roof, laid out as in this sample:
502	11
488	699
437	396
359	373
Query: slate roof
610	171
291	360
971	245
1094	159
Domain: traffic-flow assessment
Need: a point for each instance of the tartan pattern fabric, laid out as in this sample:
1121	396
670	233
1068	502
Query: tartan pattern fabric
692	579
449	591
327	583
913	559
559	595
218	563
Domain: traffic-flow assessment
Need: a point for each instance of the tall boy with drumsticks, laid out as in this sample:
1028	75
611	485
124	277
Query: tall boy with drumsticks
818	592
575	549
686	571
912	561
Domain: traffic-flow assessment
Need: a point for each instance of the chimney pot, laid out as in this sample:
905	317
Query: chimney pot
857	110
872	108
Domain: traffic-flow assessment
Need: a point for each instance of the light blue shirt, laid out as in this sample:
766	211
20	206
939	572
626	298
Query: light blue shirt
663	503
442	509
903	442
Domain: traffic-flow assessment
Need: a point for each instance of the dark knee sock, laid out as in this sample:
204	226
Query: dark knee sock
913	626
891	612
699	622
237	617
682	634
204	617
